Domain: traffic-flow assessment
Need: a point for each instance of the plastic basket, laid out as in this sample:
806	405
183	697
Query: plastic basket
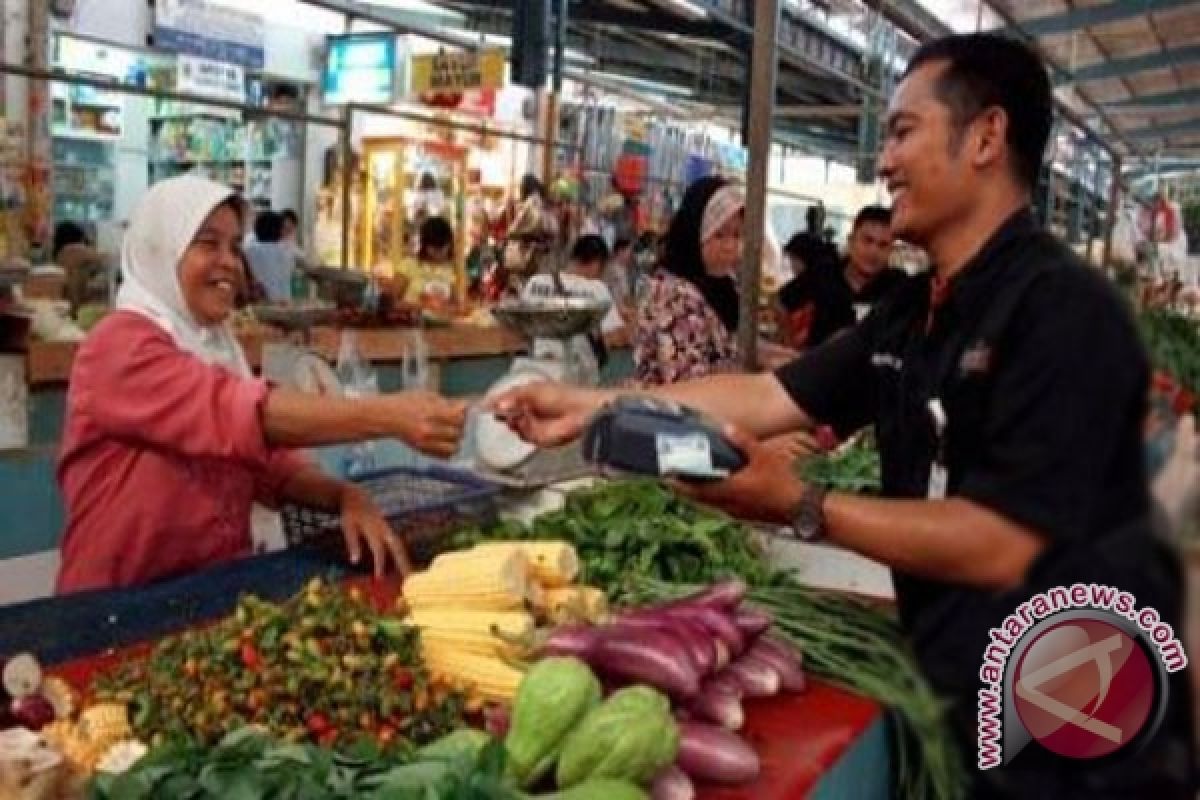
420	503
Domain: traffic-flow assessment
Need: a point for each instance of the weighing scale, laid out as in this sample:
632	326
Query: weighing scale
551	325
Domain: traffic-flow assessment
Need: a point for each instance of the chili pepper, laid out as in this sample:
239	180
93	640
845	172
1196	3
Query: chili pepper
251	659
402	679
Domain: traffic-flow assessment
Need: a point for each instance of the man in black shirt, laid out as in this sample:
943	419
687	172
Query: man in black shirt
821	301
809	248
1008	390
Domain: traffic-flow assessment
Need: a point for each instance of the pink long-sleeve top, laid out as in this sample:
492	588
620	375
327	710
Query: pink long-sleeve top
163	457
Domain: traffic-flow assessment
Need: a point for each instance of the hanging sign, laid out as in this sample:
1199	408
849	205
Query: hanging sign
210	78
458	71
207	30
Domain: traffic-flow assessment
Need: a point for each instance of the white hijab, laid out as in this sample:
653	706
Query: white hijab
160	231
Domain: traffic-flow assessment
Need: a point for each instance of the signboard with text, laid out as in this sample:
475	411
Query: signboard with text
207	30
458	71
210	78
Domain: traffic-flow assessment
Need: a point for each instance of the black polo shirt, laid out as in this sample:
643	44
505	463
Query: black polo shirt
1037	365
834	301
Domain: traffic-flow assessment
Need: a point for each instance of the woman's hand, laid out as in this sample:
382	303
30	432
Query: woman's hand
427	421
362	522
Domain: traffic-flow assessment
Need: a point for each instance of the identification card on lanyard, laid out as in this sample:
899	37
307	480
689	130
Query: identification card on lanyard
939	477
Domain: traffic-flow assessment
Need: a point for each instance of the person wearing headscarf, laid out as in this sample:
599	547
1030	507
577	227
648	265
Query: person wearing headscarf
688	318
170	439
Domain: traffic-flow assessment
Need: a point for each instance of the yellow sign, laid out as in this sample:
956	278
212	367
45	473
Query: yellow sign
458	72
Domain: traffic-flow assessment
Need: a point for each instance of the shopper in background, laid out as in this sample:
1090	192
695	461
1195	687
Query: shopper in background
822	301
1008	390
687	321
435	241
272	261
291	231
811	248
583	278
533	231
170	439
80	260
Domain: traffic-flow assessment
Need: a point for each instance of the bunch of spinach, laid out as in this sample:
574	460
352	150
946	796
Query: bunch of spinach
248	765
625	531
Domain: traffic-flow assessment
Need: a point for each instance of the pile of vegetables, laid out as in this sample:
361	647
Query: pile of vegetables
707	652
624	531
325	666
476	609
849	643
645	544
1173	341
562	728
249	765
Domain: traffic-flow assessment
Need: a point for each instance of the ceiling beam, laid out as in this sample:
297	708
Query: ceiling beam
1115	68
1181	97
1185	127
1078	18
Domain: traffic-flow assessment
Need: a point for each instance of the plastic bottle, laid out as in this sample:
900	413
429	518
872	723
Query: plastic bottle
357	381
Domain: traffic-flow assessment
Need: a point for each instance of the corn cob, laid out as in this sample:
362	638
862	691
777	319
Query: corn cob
553	563
490	677
574	603
470	642
508	624
497	583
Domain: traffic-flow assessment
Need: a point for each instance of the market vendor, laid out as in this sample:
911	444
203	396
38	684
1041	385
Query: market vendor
170	439
1008	390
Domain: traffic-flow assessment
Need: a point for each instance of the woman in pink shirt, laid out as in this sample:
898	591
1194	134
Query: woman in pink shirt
170	439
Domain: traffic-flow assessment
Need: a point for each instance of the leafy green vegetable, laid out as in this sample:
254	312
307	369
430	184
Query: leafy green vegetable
1173	341
854	468
628	530
248	765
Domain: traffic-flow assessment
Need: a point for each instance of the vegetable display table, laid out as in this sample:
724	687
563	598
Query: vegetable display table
824	743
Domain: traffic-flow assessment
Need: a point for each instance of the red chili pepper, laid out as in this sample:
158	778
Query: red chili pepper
402	679
250	658
385	734
317	724
328	737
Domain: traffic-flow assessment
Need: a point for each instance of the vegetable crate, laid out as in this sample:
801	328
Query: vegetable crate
420	503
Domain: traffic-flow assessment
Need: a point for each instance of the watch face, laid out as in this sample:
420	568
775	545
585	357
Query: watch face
809	523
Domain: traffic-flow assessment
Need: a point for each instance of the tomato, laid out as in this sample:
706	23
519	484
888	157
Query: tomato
328	737
317	723
402	679
250	658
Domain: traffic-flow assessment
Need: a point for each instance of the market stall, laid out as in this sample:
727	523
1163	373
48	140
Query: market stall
807	738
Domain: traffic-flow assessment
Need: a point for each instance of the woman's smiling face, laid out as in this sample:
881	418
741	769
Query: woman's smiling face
210	270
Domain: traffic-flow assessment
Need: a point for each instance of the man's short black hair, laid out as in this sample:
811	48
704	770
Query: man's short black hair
589	249
878	215
268	226
985	70
291	216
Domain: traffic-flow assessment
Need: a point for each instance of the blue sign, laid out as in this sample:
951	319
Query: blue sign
194	44
218	33
360	68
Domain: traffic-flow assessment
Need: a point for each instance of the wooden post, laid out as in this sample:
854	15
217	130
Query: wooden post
762	109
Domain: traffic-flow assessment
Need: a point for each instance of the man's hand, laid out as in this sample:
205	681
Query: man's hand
766	489
547	414
363	522
427	421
